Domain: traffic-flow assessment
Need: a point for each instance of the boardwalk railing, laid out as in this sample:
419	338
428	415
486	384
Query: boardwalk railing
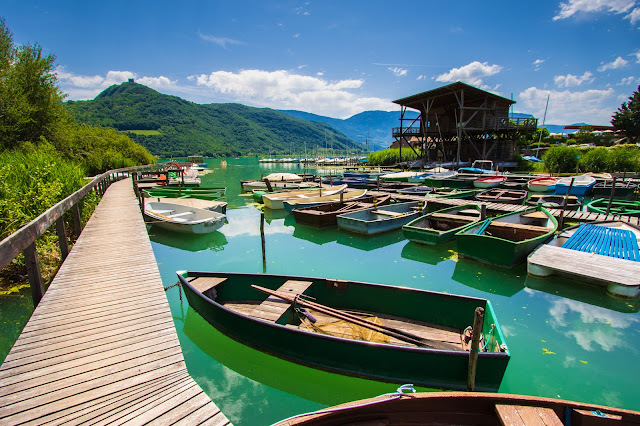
23	240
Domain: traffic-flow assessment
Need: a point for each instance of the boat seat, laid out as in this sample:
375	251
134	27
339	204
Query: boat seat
606	241
173	216
453	216
524	415
206	285
535	215
519	226
273	307
388	213
160	211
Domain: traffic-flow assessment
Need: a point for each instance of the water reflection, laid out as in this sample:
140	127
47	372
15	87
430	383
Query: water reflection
369	242
582	292
431	255
593	328
214	241
309	383
315	235
489	279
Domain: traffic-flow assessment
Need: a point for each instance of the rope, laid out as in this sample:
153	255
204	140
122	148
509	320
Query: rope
179	285
486	342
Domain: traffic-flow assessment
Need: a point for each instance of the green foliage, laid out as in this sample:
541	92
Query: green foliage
31	181
627	118
30	101
564	159
215	130
532	138
388	157
559	159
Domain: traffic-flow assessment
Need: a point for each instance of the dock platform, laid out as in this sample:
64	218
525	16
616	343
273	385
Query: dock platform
101	346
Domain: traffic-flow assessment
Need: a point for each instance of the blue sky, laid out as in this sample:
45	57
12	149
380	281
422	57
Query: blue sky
339	58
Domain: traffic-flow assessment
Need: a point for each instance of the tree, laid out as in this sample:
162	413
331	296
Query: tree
30	101
627	118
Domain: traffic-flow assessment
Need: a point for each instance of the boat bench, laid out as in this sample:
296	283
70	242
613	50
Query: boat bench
524	415
389	213
606	241
507	225
206	285
453	217
273	307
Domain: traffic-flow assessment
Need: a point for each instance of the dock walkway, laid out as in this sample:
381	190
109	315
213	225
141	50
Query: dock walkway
101	346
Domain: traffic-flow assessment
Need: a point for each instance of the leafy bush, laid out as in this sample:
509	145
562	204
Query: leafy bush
388	157
621	158
561	159
595	160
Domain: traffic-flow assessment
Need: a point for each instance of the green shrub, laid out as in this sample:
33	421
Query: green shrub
388	157
561	159
623	158
595	160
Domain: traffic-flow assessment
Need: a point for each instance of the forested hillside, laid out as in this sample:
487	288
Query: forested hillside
171	126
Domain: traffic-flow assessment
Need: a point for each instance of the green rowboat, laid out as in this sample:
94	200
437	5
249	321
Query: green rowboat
453	193
416	336
507	240
185	194
626	208
441	225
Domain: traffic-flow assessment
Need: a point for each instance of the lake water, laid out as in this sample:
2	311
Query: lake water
567	340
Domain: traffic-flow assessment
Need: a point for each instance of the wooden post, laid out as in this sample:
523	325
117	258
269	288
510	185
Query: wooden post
264	256
564	205
342	197
62	238
483	211
478	320
269	187
33	271
77	222
378	184
613	189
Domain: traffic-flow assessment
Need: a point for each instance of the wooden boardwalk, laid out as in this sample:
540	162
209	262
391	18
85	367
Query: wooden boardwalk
101	346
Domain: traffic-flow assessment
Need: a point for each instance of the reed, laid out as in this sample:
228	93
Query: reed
388	157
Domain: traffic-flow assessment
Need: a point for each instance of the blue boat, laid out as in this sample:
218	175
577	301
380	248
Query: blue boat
376	220
582	185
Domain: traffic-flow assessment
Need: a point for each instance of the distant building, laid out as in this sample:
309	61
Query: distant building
131	80
459	122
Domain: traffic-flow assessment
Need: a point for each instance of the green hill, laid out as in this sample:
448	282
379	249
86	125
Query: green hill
171	126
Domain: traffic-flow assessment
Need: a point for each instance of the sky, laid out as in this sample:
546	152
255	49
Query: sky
340	58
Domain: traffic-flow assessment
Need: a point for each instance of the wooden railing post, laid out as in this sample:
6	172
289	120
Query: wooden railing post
33	272
62	238
77	222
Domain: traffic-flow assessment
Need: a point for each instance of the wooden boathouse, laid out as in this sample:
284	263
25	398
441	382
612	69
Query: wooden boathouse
101	346
458	123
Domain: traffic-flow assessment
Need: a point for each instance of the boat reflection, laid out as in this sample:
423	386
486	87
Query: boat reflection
431	255
305	382
582	292
315	235
489	279
214	241
271	215
369	242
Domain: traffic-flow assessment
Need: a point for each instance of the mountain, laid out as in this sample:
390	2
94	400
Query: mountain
171	126
372	126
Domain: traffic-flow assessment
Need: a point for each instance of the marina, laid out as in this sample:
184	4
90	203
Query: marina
562	334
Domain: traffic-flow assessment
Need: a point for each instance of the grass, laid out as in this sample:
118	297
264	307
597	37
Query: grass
145	132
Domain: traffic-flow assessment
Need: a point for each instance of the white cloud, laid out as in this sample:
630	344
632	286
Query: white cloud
567	107
637	55
537	64
627	81
618	63
284	90
220	41
398	72
80	87
472	73
576	7
421	77
571	80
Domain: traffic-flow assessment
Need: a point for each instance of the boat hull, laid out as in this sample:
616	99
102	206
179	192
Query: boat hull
368	222
413	231
379	361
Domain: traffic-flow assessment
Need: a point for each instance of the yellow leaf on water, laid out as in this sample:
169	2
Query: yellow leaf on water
546	351
415	276
543	341
584	362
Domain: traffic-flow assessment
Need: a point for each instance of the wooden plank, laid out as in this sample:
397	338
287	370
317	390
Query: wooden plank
515	415
203	284
272	307
101	346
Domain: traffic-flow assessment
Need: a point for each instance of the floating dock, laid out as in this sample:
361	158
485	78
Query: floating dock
101	346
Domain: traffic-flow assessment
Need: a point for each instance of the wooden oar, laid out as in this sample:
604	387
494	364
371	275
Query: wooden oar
389	331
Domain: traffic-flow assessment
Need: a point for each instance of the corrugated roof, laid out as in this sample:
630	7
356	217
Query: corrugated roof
446	95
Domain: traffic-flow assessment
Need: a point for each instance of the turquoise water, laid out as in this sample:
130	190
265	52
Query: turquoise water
567	340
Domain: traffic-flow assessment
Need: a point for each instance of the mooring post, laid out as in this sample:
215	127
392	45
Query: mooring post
478	320
62	238
613	189
564	205
483	211
264	256
34	274
269	187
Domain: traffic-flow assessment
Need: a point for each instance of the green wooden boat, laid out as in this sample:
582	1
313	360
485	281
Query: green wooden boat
441	225
185	194
453	193
417	336
506	240
190	190
626	208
